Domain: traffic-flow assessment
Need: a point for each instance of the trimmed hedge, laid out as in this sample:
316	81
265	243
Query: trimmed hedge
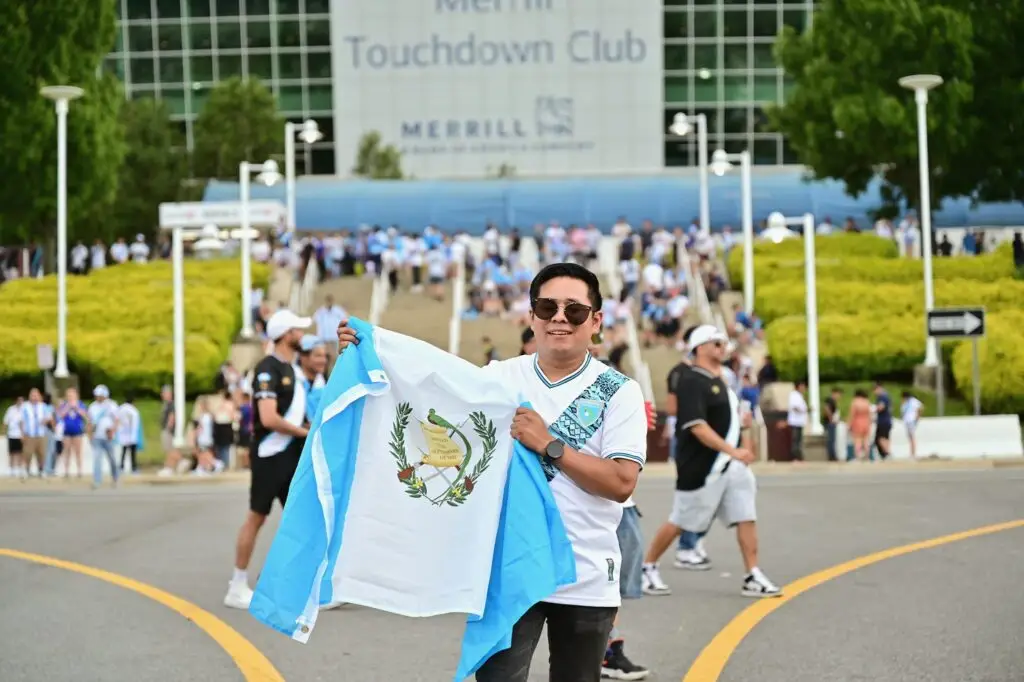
120	324
771	267
1001	361
833	245
776	300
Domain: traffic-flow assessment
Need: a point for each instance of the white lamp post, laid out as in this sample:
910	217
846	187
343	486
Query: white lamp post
921	84
722	163
177	267
61	95
309	133
267	175
780	222
681	127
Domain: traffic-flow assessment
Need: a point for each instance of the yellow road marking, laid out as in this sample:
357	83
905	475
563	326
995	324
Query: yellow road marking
712	660
253	665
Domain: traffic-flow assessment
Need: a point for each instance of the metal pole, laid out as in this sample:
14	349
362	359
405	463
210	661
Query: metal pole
177	264
976	378
748	234
940	391
61	369
921	98
702	162
243	184
814	426
289	170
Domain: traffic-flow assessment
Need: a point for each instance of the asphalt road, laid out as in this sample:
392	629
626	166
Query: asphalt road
953	613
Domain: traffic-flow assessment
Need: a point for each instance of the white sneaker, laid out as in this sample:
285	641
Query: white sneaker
165	472
758	585
239	596
699	549
691	560
652	582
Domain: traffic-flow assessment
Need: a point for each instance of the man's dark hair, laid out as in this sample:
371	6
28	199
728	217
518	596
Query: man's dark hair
688	333
129	398
527	335
572	271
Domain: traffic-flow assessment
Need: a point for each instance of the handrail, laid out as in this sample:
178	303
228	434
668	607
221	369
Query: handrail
379	294
302	295
641	371
458	305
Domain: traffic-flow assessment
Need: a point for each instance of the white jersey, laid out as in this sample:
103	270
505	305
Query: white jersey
601	414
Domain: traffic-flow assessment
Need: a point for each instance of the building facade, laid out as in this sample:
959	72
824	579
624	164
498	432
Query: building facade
716	59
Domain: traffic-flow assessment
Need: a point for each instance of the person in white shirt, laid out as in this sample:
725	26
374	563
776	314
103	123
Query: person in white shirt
139	250
36	416
119	251
437	270
12	427
654	277
98	256
327	318
796	419
416	248
79	258
911	409
629	270
102	428
589	427
128	425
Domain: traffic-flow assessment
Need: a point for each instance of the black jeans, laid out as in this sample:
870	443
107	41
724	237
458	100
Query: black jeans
796	449
577	640
830	441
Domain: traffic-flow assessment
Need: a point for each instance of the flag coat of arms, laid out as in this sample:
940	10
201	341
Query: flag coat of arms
411	497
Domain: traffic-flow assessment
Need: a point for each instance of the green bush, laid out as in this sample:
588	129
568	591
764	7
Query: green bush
774	300
833	245
771	268
1001	361
120	324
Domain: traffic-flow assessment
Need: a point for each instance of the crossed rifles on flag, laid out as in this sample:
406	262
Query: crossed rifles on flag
442	453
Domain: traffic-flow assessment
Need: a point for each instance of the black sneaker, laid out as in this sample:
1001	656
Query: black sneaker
617	666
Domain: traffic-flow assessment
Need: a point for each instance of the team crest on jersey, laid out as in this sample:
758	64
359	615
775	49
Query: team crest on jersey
715	390
588	411
263	377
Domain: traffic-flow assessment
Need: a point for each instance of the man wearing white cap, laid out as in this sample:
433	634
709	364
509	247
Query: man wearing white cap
712	476
279	432
102	423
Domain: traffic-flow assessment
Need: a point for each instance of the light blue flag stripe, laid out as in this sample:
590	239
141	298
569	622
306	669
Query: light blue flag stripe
532	553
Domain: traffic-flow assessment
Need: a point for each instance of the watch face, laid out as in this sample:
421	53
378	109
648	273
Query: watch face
554	449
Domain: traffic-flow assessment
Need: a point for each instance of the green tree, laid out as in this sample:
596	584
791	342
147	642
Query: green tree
376	161
239	123
153	168
51	42
847	116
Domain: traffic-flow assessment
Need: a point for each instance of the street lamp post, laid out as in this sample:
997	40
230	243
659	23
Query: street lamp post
681	127
309	133
268	175
61	95
722	163
921	84
177	269
777	220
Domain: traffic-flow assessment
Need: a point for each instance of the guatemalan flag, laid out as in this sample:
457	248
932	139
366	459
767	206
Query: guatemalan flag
411	497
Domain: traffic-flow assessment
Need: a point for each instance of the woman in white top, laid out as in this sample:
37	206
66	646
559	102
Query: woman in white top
911	409
206	463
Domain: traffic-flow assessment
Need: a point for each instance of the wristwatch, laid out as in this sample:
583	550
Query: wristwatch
555	449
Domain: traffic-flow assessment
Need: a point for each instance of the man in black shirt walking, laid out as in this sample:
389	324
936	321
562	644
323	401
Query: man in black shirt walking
712	477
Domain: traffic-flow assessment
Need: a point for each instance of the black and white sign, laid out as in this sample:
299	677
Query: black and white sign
956	323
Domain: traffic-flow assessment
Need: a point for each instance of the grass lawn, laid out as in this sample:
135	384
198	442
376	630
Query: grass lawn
955	405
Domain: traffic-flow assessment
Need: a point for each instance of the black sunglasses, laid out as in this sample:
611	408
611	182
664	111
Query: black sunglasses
575	313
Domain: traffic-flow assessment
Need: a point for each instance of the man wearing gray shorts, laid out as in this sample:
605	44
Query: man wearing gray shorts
712	476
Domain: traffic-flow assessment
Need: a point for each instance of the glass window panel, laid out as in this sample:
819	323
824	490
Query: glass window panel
760	121
258	33
735	24
676	25
169	37
766	23
198	102
202	68
734	144
736	56
175	99
797	18
229	66
705	90
318	64
257	8
139	10
140	38
200	35
289	33
789	155
677	57
172	69
168	9
290	98
289	66
763	58
119	41
766	152
712	117
198	8
287	6
260	66
142	70
679	153
142	93
735	120
114	65
229	35
705	57
227	8
705	24
766	88
321	99
318	6
323	161
677	89
318	31
736	89
325	123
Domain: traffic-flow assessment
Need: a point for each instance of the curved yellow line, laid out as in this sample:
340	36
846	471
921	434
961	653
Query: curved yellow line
253	665
712	660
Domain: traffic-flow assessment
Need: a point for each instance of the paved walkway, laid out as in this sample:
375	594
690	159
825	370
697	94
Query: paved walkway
951	612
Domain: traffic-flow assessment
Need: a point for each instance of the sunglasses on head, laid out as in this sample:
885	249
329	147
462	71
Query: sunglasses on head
575	313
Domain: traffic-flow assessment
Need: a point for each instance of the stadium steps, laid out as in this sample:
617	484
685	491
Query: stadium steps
419	315
351	293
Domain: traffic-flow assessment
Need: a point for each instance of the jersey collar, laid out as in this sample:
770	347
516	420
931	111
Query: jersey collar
563	381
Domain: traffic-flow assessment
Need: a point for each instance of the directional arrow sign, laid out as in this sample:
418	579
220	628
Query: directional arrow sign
952	323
